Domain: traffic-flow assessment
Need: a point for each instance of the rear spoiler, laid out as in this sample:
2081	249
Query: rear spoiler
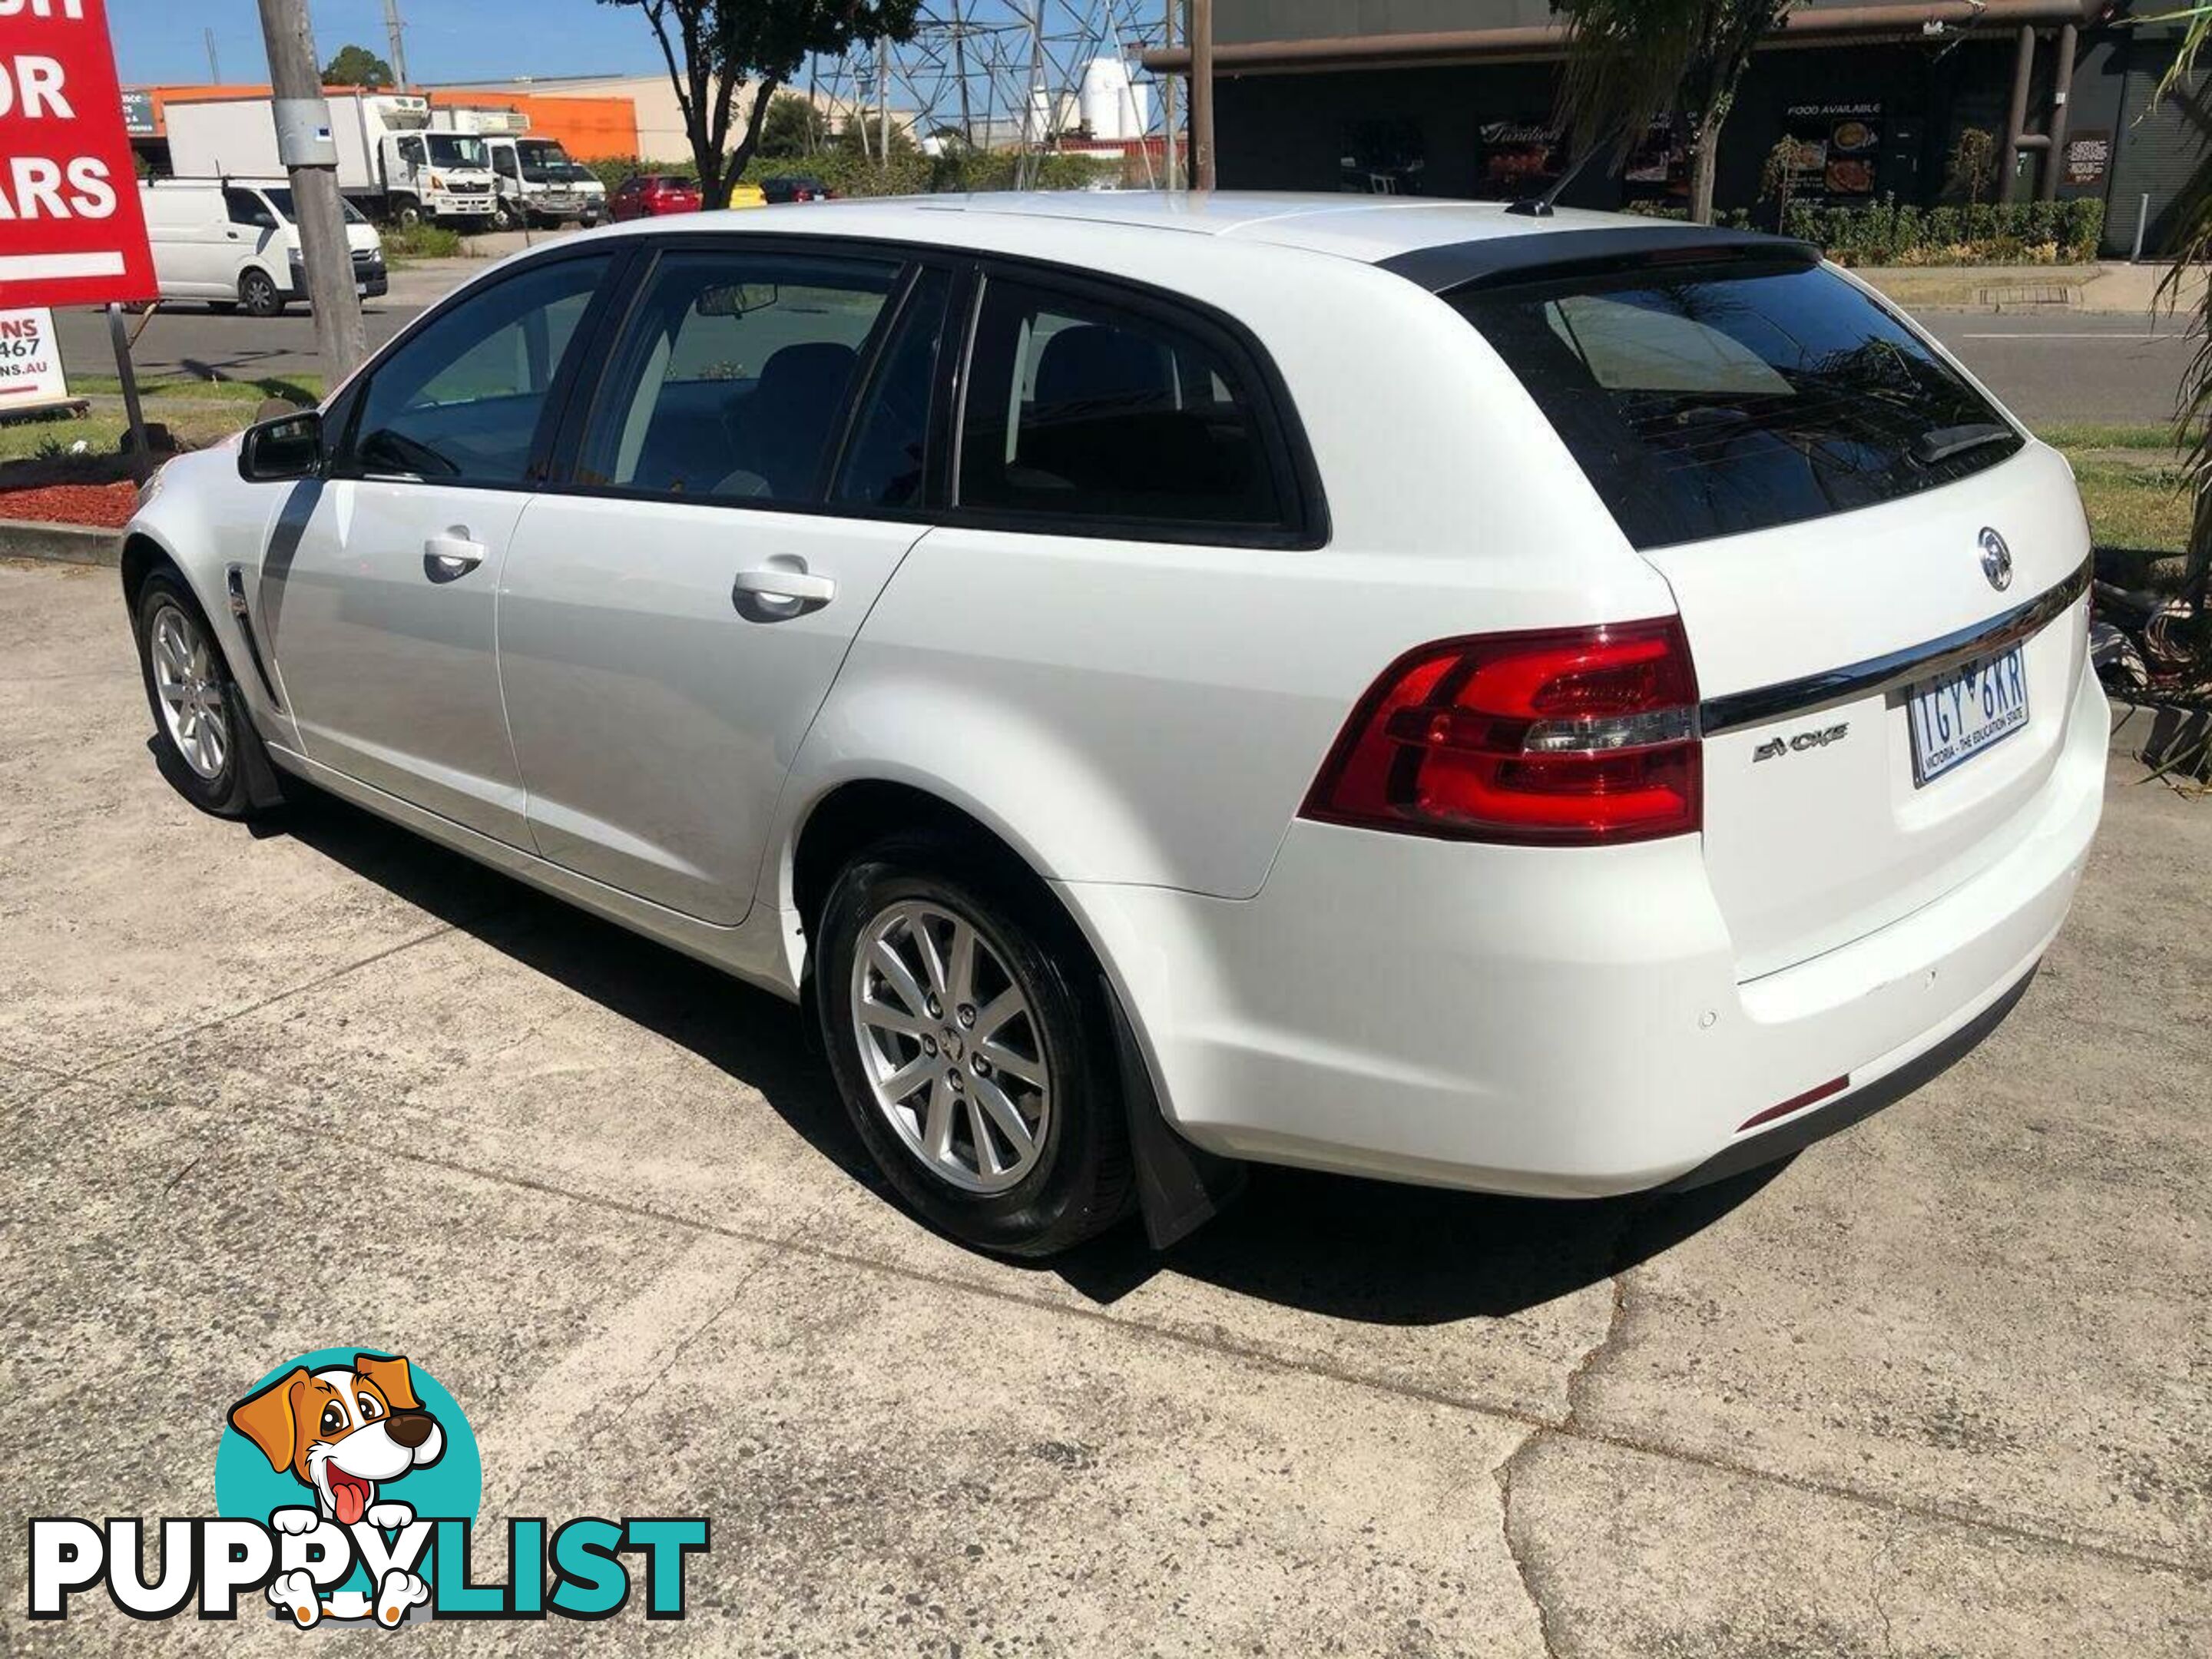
1547	255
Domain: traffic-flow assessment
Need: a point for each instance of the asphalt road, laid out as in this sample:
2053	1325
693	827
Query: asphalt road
2070	366
1943	1385
2065	367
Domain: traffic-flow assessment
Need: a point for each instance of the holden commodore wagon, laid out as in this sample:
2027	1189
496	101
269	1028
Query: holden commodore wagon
1558	705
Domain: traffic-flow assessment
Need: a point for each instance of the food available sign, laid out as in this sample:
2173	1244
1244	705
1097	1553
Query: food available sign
71	231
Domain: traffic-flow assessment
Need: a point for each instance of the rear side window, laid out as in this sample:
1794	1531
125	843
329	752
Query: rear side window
1709	401
1078	410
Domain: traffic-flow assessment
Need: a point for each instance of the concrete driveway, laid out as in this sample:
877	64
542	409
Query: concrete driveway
1942	1386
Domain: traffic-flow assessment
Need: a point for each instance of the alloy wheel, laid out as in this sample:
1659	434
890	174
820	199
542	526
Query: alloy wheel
950	1045
193	710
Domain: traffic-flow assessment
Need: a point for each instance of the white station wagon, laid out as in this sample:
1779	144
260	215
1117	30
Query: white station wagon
1556	705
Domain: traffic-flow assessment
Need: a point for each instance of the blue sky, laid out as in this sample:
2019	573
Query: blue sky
160	40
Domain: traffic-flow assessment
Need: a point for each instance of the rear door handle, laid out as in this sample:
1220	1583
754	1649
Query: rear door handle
780	588
448	558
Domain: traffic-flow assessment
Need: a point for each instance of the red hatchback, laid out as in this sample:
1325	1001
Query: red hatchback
648	195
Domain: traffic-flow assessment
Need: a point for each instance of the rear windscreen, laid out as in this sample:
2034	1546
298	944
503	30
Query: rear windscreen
1706	401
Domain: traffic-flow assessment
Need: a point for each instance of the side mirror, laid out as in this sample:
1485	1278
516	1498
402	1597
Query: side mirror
289	446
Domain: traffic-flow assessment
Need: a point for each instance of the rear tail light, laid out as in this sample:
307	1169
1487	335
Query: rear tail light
1562	736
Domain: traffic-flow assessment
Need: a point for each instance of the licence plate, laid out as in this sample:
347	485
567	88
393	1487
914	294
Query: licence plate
1958	715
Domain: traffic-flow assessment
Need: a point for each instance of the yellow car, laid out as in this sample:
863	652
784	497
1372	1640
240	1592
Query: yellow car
747	196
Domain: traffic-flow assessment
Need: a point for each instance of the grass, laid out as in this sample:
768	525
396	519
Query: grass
197	412
2072	435
2130	481
404	244
293	388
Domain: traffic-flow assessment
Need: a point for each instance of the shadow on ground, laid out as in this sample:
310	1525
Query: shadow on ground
1363	1250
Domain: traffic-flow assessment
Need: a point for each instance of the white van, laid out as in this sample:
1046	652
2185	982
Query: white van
233	242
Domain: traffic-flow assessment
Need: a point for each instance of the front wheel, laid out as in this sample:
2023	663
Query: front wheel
208	747
260	295
506	216
964	1023
407	214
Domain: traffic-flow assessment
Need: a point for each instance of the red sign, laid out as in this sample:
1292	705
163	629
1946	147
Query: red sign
71	228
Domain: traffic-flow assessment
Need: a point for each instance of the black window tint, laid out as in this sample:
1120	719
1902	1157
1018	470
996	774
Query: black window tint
243	206
889	460
1708	402
460	402
732	377
1076	409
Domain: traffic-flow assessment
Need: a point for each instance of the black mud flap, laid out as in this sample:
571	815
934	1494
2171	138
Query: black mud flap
263	788
1180	1186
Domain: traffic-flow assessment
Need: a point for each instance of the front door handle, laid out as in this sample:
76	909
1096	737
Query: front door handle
780	588
449	558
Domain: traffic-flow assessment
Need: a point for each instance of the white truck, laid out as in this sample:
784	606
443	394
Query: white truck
537	180
391	164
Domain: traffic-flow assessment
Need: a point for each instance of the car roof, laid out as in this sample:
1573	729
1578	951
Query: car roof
1438	244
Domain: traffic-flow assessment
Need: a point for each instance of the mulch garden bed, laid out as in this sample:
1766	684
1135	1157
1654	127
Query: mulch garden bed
107	506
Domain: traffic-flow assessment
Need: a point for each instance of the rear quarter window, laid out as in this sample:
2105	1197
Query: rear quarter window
1707	401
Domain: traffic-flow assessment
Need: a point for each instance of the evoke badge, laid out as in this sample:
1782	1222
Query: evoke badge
1774	748
1997	560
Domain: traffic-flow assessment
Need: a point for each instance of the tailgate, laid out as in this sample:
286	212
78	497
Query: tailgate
1858	541
1823	821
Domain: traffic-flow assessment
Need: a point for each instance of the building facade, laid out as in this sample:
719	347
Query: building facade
1459	98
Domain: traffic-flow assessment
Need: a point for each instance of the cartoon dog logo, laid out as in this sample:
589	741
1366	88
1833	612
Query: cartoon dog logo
343	1432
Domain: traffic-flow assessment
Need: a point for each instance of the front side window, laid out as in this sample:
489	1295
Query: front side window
243	206
732	379
1078	409
411	150
460	401
1707	401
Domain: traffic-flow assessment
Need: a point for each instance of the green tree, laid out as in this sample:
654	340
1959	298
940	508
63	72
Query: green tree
2189	282
356	66
715	48
1777	176
1974	164
793	126
1631	63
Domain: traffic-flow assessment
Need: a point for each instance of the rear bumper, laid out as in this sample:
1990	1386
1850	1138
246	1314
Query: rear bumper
1563	1023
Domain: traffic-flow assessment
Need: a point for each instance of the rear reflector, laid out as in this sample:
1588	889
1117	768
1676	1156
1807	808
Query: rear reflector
1560	737
1834	1086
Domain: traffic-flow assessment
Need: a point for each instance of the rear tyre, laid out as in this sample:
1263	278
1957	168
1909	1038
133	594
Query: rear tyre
258	294
208	747
961	1013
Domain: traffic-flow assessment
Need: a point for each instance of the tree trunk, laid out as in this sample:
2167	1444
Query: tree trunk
708	160
1705	153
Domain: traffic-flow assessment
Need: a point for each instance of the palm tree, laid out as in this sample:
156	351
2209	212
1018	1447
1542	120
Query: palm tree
2192	408
1631	63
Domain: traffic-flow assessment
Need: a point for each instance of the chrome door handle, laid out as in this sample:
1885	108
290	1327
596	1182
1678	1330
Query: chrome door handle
450	556
780	588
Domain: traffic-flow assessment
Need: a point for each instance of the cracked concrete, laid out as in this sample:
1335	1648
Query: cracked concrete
1939	1387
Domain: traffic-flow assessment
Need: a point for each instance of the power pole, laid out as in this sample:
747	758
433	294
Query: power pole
884	100
215	64
960	74
1202	95
1167	100
393	29
304	147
